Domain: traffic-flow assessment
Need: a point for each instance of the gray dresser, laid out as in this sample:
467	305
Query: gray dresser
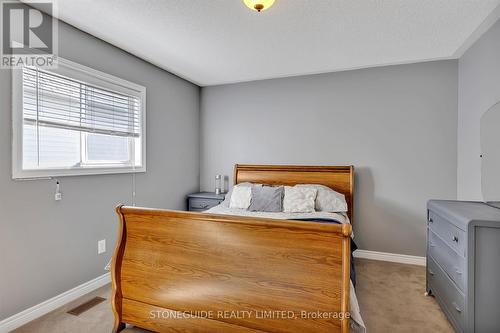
463	263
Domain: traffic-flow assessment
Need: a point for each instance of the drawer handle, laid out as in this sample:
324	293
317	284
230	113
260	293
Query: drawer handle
431	220
431	244
431	272
455	239
456	307
201	206
459	272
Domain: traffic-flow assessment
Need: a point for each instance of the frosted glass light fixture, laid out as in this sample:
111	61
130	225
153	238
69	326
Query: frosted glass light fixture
258	5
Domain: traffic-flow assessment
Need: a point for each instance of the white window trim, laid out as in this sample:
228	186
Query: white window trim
91	76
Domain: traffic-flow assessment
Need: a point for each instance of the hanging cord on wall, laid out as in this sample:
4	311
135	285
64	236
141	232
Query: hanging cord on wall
58	194
108	265
133	186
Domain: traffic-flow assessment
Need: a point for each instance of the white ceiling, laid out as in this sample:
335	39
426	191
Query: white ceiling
213	42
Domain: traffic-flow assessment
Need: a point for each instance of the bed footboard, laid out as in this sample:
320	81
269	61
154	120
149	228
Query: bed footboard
192	272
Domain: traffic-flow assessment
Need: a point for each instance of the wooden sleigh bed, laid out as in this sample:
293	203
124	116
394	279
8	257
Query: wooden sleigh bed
179	271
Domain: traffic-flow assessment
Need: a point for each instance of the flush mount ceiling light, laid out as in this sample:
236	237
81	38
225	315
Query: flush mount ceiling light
258	5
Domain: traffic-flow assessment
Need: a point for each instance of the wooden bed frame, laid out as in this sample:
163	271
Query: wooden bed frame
179	271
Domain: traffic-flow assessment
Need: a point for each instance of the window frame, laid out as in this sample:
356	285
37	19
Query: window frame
88	75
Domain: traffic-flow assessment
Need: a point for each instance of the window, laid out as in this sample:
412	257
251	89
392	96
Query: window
74	120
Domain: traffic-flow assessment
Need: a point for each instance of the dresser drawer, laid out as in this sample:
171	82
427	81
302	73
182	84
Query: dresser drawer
452	301
449	233
200	204
448	259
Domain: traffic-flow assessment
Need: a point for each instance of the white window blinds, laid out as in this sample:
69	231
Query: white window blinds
51	100
74	120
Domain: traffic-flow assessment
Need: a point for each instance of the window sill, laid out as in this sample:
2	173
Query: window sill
51	173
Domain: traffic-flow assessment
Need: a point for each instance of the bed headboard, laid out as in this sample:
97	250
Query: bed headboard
338	178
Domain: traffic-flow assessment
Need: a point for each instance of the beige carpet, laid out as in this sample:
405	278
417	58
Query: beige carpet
391	298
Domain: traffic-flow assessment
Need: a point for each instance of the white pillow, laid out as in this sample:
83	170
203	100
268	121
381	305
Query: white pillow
299	199
227	198
241	197
327	199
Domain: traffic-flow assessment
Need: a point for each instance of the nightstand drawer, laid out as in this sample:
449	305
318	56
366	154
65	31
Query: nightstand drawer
200	204
448	259
452	301
452	236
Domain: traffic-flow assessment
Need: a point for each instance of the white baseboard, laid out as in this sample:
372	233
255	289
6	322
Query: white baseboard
49	305
392	257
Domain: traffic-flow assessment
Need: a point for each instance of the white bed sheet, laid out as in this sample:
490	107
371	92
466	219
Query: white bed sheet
220	209
357	324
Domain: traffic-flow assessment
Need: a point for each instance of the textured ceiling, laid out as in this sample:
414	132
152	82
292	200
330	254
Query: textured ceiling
213	42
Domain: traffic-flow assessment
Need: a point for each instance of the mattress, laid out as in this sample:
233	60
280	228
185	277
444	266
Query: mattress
339	217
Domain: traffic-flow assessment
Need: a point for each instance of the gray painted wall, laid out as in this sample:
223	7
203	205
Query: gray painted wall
49	247
479	89
397	125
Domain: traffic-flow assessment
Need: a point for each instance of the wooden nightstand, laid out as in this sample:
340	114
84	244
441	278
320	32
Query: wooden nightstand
198	202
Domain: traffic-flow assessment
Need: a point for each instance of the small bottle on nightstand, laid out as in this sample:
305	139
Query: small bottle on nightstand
219	184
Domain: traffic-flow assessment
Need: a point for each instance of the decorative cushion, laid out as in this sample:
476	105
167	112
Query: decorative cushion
227	198
240	197
327	200
266	199
299	199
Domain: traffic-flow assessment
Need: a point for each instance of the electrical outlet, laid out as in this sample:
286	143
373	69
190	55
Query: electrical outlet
101	246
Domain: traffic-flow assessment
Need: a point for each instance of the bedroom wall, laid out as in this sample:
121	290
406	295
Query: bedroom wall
48	247
397	125
479	89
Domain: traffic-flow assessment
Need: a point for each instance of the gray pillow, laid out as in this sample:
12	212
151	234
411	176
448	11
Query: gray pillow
267	199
